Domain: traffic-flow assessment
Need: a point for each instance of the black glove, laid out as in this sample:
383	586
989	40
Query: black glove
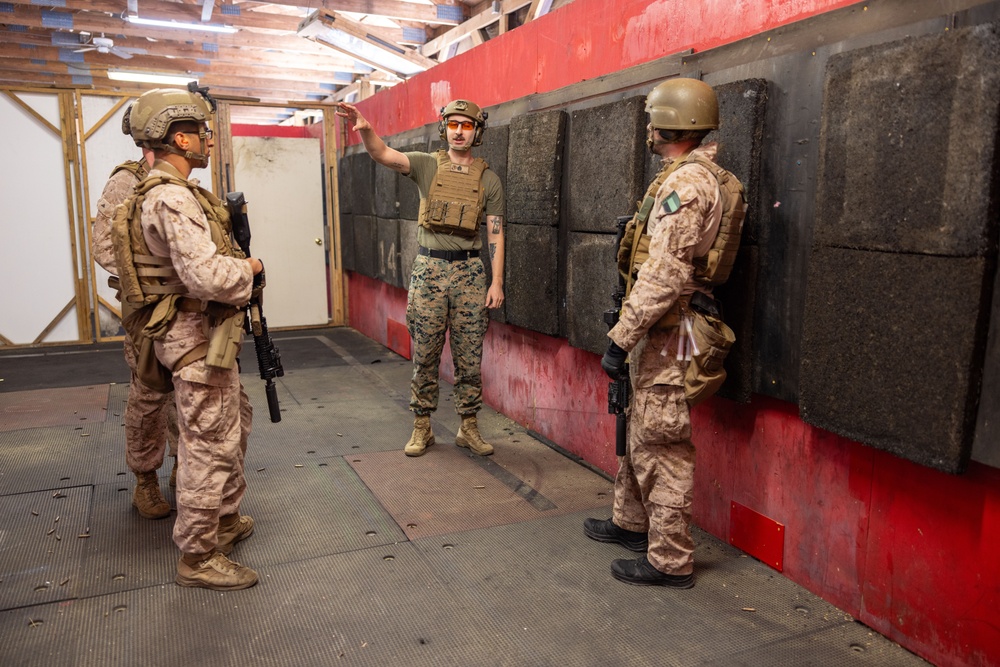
613	361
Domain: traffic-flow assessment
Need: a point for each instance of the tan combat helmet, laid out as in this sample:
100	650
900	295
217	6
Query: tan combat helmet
464	108
683	104
156	110
127	126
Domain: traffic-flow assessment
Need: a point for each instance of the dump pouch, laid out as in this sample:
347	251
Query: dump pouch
712	341
148	368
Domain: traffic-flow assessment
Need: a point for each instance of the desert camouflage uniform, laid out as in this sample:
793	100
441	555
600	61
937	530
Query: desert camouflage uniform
448	296
655	478
148	413
213	412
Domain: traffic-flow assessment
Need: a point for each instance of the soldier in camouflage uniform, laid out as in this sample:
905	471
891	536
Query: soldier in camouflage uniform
193	281
653	488
448	291
148	413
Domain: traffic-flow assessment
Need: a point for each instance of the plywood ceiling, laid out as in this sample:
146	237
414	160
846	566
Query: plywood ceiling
64	44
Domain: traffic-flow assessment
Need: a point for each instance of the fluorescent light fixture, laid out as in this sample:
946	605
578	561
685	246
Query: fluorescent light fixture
355	40
181	25
150	77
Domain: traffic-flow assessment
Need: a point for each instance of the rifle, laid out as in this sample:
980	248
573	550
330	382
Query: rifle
268	359
620	389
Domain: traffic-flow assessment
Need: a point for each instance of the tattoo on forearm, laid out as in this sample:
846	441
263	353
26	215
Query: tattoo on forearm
493	251
497	222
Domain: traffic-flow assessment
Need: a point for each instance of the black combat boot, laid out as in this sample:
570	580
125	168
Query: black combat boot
641	573
608	531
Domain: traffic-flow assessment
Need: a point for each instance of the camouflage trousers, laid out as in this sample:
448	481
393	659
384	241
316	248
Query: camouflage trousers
215	417
655	478
447	297
150	421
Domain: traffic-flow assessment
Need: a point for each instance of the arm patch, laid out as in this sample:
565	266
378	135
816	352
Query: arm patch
671	203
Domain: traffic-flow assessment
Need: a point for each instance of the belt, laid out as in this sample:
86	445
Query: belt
449	255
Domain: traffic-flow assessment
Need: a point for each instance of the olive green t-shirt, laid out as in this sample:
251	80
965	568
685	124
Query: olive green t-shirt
423	167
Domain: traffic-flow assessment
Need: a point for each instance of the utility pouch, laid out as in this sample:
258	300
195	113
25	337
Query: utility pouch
453	217
712	341
148	368
225	341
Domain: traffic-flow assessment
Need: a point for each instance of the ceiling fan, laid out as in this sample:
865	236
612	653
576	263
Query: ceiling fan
104	44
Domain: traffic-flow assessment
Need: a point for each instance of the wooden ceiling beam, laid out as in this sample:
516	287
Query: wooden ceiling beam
221	87
95	22
272	75
186	56
173	11
392	9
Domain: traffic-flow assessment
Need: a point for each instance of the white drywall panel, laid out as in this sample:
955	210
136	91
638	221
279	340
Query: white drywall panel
36	263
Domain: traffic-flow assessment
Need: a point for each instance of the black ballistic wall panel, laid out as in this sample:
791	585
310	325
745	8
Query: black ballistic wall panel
386	192
347	241
408	250
909	146
742	107
362	184
739	299
365	246
531	284
986	446
494	150
887	351
591	277
387	244
606	149
406	190
740	137
534	168
895	328
344	189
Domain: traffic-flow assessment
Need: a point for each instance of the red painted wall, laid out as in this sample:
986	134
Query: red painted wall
583	40
909	551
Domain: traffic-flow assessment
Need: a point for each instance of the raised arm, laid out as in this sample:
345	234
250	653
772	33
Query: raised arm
377	148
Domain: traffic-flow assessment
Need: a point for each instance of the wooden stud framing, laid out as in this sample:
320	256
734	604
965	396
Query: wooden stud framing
338	291
52	325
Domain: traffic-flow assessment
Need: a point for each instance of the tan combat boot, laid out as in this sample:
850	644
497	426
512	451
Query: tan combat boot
213	571
468	436
422	437
147	497
232	529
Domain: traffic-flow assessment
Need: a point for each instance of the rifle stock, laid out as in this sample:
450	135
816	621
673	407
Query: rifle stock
268	358
619	390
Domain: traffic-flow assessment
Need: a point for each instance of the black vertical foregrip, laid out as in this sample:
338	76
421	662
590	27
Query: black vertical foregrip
272	401
621	422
